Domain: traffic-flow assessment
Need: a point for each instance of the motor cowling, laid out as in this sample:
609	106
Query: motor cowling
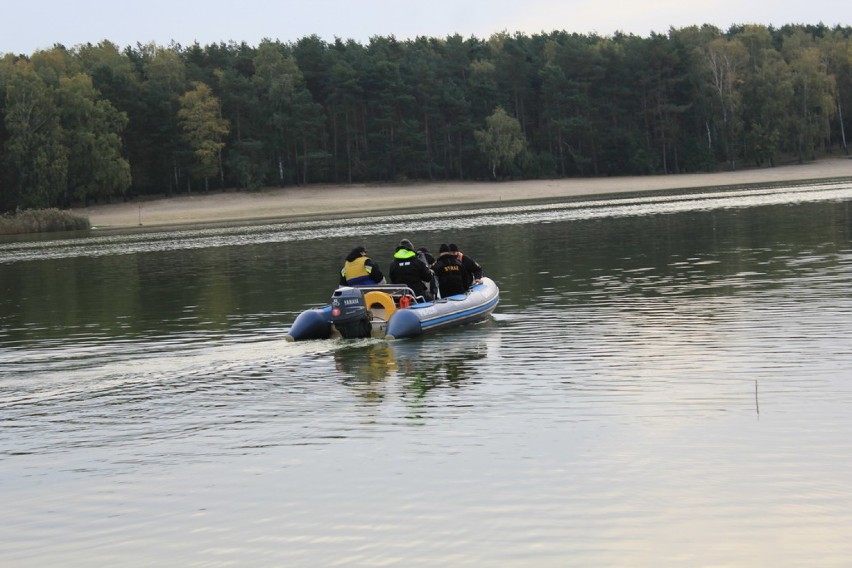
349	313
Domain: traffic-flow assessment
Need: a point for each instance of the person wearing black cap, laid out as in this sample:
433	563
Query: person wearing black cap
407	268
452	275
359	270
473	267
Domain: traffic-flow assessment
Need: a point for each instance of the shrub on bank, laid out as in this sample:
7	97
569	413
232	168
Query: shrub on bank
42	221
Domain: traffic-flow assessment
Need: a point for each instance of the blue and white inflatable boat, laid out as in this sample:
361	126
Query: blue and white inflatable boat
392	312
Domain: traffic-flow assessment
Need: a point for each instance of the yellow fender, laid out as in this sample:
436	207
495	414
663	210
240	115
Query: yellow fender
384	300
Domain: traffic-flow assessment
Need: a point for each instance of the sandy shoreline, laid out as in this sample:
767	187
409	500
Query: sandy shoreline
313	201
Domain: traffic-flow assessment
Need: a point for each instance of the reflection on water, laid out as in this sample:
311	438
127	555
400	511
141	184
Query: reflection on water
379	368
665	382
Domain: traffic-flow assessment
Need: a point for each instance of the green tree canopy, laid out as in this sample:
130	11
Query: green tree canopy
203	127
697	98
92	136
34	150
502	141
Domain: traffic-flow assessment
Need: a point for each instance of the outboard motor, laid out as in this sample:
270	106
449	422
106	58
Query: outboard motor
349	313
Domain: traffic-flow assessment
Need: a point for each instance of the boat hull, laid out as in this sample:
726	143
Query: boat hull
312	324
454	311
418	319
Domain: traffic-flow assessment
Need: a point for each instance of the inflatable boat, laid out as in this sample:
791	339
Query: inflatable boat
392	312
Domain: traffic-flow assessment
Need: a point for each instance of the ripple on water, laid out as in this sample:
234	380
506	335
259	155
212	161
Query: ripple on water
688	405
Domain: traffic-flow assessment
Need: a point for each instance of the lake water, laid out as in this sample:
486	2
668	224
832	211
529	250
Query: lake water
667	381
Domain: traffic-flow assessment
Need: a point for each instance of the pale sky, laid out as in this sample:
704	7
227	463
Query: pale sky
29	27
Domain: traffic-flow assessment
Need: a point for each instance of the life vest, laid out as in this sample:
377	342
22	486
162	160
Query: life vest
356	272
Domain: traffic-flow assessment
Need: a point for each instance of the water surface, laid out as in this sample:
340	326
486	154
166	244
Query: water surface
664	383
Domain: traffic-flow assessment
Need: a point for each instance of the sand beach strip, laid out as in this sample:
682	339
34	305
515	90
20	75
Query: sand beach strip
235	207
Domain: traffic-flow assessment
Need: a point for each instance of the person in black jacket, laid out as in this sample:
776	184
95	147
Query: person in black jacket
452	276
424	255
407	268
427	258
473	268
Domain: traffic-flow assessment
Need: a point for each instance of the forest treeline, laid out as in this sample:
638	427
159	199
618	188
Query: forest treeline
97	122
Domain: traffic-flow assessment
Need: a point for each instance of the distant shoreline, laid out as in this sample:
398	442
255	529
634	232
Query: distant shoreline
338	200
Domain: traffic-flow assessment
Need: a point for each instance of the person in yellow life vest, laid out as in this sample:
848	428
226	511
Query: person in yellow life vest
359	270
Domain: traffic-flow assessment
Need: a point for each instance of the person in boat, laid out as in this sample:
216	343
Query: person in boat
407	268
424	255
427	258
473	268
359	270
451	274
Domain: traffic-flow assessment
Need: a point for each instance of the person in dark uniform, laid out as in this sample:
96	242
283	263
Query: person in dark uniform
359	270
424	255
407	268
452	275
473	268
